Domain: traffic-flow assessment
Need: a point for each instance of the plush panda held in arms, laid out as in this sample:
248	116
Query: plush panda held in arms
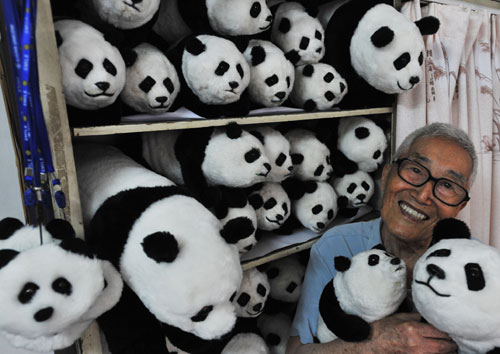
366	288
456	288
143	224
377	50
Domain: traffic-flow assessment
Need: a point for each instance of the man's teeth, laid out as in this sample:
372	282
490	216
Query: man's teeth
413	213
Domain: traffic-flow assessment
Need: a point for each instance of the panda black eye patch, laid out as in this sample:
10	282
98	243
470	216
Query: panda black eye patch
243	299
281	159
222	68
62	286
373	259
351	188
365	185
288	82
376	154
270	203
27	292
272	80
304	43
285	208
169	85
402	61
261	290
330	214
147	84
252	155
443	252
109	67
317	209
328	77
475	276
83	68
255	9
202	314
421	58
240	70
318	35
319	170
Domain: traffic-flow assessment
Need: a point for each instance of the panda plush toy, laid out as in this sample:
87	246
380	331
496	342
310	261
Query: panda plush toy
298	32
143	224
456	287
93	74
252	295
152	83
271	74
353	192
272	205
317	87
245	343
51	293
366	288
285	277
274	329
378	51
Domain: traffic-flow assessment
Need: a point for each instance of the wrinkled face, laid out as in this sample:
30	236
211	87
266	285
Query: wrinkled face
236	18
126	14
285	276
252	295
358	188
152	83
363	142
396	66
272	206
409	212
317	87
316	210
217	72
93	71
456	286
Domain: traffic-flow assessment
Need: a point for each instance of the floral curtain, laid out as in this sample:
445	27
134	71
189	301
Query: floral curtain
462	87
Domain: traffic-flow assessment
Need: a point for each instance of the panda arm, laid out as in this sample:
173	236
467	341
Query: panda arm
350	328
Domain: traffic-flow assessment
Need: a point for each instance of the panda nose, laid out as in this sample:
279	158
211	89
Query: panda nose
257	307
433	269
279	217
233	84
267	166
395	261
269	18
44	314
414	80
103	85
290	168
361	197
320	225
280	95
161	99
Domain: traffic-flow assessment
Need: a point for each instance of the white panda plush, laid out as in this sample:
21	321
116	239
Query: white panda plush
271	74
143	224
274	329
252	295
93	73
310	156
353	192
271	204
152	83
317	87
366	288
246	343
285	276
378	50
298	33
456	288
277	150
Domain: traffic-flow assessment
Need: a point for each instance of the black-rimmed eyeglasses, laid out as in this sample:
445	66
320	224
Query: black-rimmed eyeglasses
445	190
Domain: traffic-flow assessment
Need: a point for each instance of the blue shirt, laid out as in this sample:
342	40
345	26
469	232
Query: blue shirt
344	240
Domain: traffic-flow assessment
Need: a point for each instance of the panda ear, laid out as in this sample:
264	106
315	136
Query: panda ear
258	55
256	201
294	188
342	263
59	39
258	135
310	186
342	202
6	256
310	105
77	246
129	57
60	229
450	228
293	56
308	70
284	25
428	25
233	130
382	37
195	46
297	159
237	229
362	132
161	246
8	227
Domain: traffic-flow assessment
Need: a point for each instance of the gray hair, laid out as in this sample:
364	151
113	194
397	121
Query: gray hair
443	130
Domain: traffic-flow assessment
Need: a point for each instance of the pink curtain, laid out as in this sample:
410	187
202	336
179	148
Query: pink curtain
462	87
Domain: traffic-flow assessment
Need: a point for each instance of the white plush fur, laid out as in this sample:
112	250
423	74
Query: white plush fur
367	152
357	187
275	68
81	41
304	208
256	285
277	327
199	71
315	154
247	243
302	25
325	87
246	343
470	317
272	217
26	237
374	64
125	14
150	63
287	285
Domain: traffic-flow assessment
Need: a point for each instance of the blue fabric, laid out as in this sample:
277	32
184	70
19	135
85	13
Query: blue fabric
344	240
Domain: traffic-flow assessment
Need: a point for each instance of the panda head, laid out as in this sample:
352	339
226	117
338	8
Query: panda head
245	219
271	74
310	157
354	190
234	158
362	141
126	14
271	204
456	284
298	34
151	84
277	149
275	330
387	49
214	69
252	294
317	87
236	18
371	285
93	71
285	276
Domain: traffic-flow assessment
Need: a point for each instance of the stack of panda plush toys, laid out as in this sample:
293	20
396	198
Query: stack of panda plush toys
219	58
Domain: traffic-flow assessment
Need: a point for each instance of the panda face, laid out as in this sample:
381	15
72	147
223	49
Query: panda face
285	276
455	287
316	210
299	35
317	87
272	206
252	295
274	329
362	141
93	71
126	14
391	67
236	18
271	74
215	70
235	161
358	188
310	157
152	83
